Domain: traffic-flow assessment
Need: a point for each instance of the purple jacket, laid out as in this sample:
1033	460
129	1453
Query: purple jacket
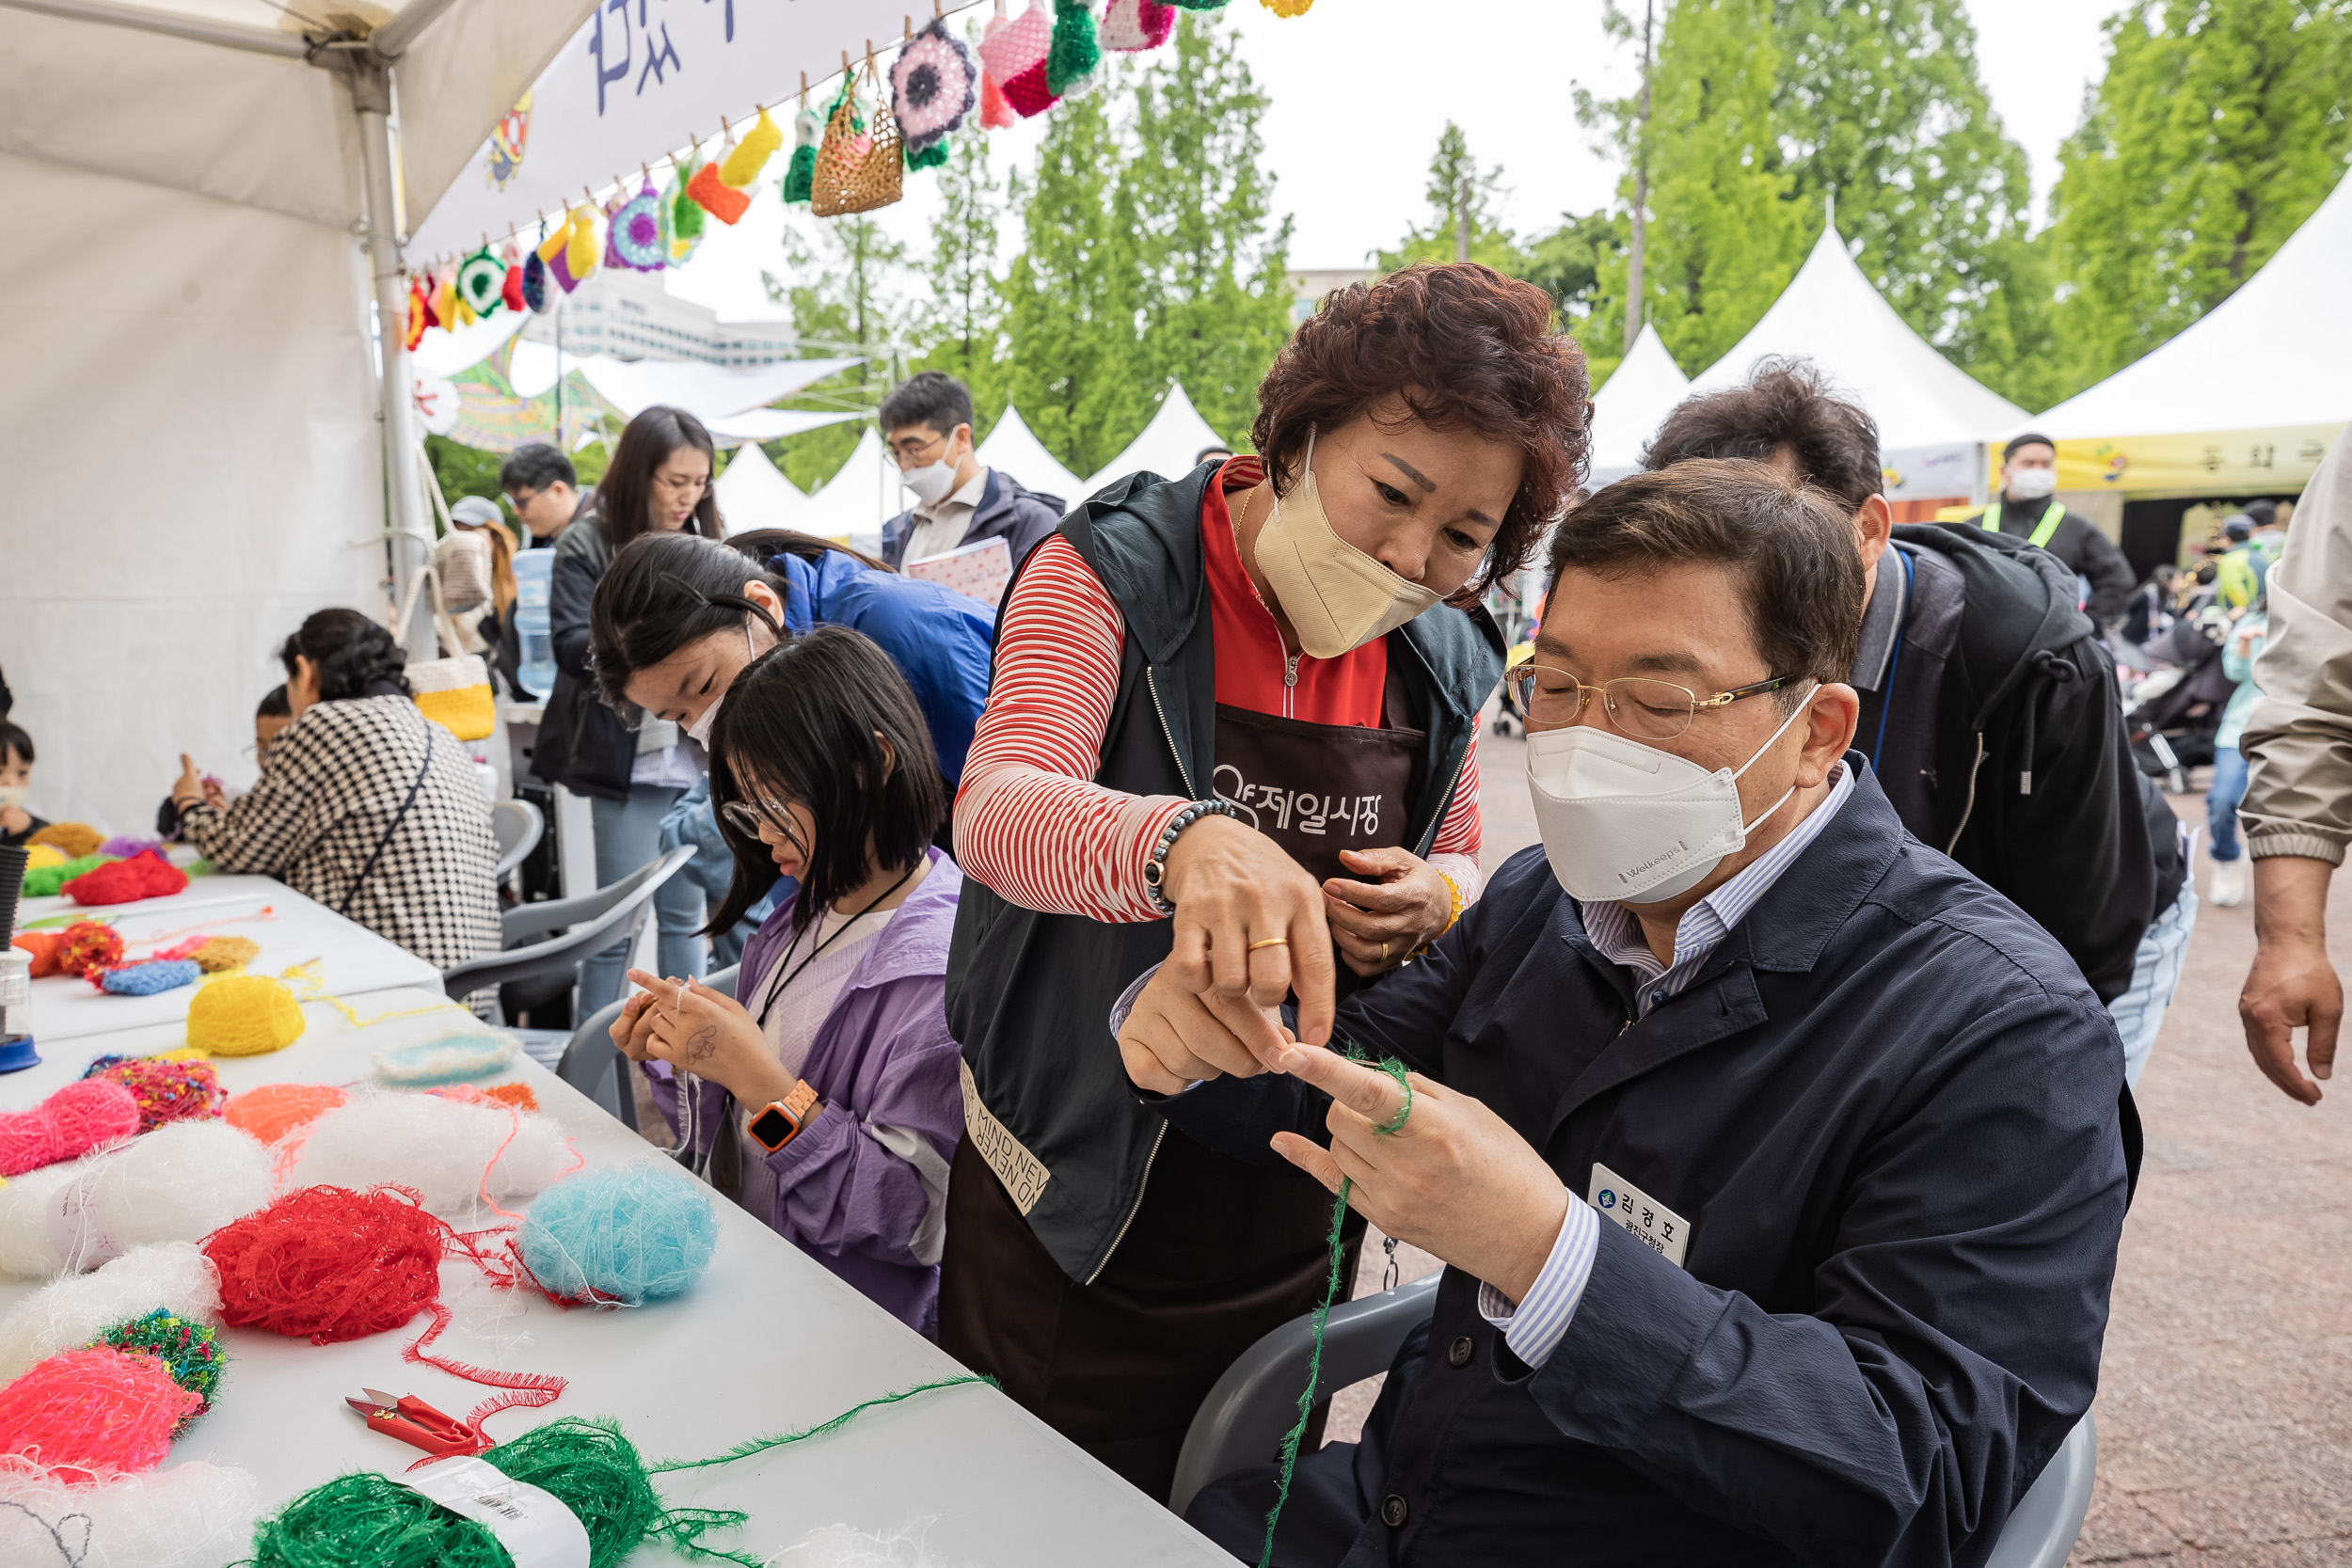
883	1055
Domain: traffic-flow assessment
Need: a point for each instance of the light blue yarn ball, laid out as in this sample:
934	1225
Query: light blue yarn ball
149	978
632	1235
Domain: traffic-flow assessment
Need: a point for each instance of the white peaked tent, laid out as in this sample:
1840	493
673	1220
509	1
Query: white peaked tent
855	502
751	494
1932	417
1013	448
1631	405
1166	446
2271	365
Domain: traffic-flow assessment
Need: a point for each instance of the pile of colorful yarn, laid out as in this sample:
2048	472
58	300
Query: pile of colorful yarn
81	948
43	881
185	1348
178	1183
145	875
83	1116
169	1087
74	839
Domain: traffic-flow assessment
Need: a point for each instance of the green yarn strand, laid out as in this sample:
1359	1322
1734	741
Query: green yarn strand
1297	1433
1075	51
761	1445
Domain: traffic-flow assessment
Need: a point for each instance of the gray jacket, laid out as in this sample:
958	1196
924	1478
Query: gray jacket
1020	517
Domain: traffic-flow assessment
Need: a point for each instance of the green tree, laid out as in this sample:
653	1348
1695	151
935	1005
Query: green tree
1459	191
1216	291
965	322
1570	263
2220	126
845	291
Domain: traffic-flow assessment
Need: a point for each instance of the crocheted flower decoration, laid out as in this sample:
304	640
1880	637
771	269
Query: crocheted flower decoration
637	231
1132	27
481	282
932	87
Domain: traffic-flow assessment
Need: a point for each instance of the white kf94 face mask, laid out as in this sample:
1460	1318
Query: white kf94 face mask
1631	823
2032	484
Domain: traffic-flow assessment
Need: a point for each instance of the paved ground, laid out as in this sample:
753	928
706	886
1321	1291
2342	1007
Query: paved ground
2225	1405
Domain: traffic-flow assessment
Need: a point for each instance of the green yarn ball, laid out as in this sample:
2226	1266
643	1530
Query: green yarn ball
186	1348
44	882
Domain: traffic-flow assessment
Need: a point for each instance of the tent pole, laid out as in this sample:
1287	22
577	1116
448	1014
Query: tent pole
410	529
227	35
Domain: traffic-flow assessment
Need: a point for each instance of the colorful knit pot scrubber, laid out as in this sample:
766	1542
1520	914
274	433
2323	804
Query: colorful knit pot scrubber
444	1058
165	1090
75	838
87	945
272	1111
218	955
740	167
150	979
170	1276
90	1412
995	114
244	1015
192	1515
185	1348
800	175
83	1116
146	874
1016	55
626	1237
933	84
1074	54
365	1520
47	880
717	197
1132	27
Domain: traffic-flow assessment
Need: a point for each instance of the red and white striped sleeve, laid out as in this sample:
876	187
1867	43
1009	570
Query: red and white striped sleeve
1454	850
1030	823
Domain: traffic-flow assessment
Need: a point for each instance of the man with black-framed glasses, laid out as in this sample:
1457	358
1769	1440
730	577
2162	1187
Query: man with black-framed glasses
927	422
1778	1163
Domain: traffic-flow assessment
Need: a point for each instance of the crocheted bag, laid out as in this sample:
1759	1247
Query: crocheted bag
858	170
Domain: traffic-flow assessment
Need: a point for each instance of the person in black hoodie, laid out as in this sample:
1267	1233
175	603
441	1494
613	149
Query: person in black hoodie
1989	708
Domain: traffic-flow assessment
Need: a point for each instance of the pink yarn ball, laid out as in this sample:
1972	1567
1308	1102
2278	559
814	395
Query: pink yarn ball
83	1116
93	1413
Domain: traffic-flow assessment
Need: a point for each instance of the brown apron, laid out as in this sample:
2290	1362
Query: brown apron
1218	1252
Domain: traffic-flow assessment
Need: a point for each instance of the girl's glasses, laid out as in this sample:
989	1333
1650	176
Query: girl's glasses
748	818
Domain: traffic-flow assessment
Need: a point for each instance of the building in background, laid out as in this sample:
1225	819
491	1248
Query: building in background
631	315
1307	288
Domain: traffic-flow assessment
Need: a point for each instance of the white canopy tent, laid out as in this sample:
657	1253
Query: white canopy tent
215	188
1933	419
1631	405
855	502
2247	398
751	494
1166	447
1014	449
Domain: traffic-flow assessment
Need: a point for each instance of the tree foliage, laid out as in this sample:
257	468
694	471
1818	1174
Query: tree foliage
965	325
845	291
2220	126
1458	186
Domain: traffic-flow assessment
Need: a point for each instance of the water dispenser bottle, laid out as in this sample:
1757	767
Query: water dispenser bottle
535	575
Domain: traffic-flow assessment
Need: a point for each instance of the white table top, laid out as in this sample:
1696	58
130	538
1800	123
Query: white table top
767	1341
355	959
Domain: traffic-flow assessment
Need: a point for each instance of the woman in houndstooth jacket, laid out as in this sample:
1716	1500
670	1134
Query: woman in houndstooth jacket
364	804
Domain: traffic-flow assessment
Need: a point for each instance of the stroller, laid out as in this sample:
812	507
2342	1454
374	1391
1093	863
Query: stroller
2174	714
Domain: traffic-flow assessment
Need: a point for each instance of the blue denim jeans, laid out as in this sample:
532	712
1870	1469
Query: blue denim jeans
628	833
2139	1013
2221	801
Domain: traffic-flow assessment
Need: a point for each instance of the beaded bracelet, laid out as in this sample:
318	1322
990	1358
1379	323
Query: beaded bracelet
1452	920
1155	869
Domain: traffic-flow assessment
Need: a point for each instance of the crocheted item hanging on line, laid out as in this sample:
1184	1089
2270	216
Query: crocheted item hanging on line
933	84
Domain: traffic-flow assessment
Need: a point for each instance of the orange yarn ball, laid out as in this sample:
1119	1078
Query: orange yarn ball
42	945
274	1110
92	1413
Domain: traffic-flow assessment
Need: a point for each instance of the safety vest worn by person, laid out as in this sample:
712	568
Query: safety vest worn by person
2044	531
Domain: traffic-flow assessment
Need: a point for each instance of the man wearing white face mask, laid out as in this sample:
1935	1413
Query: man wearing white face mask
959	500
2027	508
1778	1163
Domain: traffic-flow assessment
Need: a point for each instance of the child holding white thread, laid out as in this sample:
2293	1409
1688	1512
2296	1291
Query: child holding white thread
823	1097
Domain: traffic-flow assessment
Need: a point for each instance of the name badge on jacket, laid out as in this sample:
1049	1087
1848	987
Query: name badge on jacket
1644	1218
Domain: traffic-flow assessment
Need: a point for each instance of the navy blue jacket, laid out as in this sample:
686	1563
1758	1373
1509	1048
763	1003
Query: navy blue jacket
1890	1111
1019	517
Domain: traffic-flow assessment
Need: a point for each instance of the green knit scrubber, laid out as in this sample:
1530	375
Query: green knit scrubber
1074	53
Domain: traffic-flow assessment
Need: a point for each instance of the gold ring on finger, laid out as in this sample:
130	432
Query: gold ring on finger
1384	952
1270	941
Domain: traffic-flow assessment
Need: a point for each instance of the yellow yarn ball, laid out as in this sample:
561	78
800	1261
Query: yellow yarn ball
244	1015
44	854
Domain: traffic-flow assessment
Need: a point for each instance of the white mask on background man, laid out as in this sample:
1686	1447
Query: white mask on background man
2032	484
932	482
1338	598
1626	822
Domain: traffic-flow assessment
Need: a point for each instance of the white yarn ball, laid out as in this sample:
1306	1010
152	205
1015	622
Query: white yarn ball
175	1276
439	1147
193	1515
178	1183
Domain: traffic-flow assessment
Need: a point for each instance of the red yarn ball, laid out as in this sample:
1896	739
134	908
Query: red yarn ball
145	875
92	1413
69	1124
89	946
331	1264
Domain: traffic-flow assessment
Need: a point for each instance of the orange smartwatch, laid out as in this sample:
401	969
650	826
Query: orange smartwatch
780	1121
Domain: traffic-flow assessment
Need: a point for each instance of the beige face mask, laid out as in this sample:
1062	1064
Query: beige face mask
1338	598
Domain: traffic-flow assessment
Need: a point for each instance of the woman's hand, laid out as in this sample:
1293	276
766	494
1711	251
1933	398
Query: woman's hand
708	1034
1235	891
188	789
1404	904
1172	1039
632	1032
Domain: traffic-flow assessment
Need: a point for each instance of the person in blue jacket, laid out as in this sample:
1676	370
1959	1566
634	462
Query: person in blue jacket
1778	1163
676	619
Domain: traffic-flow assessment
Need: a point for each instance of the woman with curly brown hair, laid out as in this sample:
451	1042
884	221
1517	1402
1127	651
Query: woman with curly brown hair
1232	728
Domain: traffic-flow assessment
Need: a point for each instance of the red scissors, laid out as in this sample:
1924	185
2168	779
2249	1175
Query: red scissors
418	1424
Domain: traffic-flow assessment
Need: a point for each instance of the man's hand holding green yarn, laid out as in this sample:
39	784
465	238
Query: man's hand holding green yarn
1454	1180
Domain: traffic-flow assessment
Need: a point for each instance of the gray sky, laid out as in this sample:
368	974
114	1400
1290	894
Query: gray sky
1360	89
